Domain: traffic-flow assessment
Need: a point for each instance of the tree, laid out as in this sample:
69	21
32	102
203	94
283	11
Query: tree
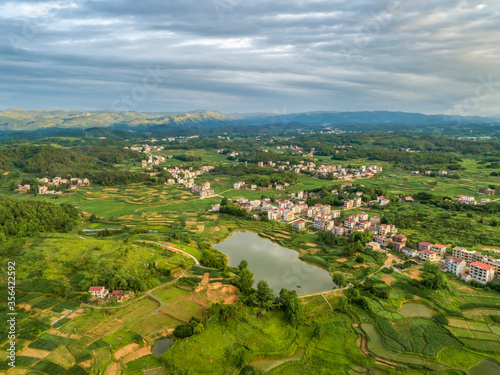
245	281
243	264
291	305
265	295
343	304
339	279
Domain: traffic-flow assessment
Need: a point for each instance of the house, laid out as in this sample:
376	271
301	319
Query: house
375	220
348	203
338	231
455	266
409	252
98	291
431	256
398	246
422	246
288	215
373	245
299	225
482	273
42	189
384	202
335	214
465	277
400	238
408	198
272	215
438	248
382	240
362	216
349	224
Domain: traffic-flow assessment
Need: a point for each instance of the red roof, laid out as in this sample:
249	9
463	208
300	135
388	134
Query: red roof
429	252
465	274
425	243
439	246
116	292
482	265
96	288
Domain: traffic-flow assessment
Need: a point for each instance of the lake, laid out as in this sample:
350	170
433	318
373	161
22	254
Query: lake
279	266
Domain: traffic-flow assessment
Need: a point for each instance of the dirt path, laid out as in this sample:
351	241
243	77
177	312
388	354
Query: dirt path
339	289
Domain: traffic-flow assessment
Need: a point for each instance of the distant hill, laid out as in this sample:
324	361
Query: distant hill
368	118
16	119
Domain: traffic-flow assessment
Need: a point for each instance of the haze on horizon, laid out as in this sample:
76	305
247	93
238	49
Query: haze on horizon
435	56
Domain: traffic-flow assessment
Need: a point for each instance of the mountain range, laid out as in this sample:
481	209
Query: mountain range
16	119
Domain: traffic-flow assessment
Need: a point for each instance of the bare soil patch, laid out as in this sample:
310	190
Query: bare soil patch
415	274
204	295
125	350
114	369
32	352
342	260
390	258
388	279
311	244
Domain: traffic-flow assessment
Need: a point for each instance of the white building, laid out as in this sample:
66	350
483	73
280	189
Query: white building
455	266
482	273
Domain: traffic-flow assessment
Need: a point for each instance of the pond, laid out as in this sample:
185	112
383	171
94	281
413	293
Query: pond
161	346
279	266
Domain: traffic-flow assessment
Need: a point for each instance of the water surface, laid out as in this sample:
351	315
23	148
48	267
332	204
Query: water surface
161	346
279	266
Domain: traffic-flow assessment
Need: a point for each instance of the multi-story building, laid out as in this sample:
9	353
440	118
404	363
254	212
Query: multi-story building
455	266
482	273
428	255
288	215
422	246
349	203
98	291
299	225
438	248
335	214
362	216
382	240
338	231
463	253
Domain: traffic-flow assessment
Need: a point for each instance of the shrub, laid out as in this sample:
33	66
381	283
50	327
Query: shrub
441	319
183	330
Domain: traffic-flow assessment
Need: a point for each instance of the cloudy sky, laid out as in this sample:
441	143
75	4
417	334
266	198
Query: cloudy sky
281	56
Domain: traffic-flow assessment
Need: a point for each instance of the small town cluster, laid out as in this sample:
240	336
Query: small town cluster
45	184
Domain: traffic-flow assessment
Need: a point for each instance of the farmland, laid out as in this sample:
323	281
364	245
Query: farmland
134	237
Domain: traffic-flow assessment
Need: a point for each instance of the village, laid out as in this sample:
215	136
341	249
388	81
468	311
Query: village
54	186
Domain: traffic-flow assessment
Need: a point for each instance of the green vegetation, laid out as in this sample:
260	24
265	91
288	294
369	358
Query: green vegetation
122	232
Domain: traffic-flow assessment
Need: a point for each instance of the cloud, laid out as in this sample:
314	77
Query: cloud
231	55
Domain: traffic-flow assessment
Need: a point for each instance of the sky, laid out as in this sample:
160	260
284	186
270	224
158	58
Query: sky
279	56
